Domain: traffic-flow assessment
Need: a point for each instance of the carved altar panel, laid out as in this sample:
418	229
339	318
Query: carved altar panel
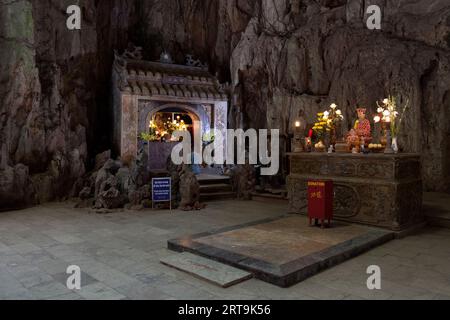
377	190
307	166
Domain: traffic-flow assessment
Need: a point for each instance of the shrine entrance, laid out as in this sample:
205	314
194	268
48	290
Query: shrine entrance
162	122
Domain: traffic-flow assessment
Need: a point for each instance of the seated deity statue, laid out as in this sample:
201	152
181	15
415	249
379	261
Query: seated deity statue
362	127
353	139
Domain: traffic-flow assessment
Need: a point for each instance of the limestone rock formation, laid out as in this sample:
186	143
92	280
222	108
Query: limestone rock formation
54	89
243	180
16	188
189	191
280	56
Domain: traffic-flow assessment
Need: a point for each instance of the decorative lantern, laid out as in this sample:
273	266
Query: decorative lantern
299	135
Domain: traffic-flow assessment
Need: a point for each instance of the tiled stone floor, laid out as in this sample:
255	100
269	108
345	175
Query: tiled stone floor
119	256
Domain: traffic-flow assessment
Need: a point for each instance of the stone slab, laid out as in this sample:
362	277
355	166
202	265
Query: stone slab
283	251
207	269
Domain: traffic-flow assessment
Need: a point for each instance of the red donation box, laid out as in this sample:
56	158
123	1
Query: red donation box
320	201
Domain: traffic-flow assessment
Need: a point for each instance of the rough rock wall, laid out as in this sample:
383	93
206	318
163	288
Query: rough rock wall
53	93
280	55
208	29
306	54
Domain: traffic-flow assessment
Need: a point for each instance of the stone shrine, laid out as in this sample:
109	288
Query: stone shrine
146	90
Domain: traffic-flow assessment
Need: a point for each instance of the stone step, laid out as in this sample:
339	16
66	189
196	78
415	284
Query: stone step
217	196
258	195
206	269
439	221
212	179
215	188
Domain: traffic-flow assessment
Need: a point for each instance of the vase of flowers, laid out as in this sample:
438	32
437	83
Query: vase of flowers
327	127
389	115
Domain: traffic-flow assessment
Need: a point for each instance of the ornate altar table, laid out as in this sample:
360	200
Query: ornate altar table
376	189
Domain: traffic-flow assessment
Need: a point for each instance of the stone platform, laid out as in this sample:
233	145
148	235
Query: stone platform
283	251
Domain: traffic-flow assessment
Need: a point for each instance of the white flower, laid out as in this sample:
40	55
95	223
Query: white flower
339	112
377	119
333	106
380	110
386	113
326	114
386	101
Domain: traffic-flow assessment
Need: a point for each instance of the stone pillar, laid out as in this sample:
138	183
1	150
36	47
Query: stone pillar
129	128
221	121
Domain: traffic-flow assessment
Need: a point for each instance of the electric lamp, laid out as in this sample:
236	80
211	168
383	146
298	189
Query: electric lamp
299	131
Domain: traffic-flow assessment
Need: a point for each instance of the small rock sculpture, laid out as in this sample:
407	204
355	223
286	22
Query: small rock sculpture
189	190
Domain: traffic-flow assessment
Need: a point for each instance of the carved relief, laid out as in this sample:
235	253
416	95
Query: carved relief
221	121
297	194
376	203
129	128
343	168
299	166
347	202
375	170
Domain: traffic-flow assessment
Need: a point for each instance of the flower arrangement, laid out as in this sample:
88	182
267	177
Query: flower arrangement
158	131
149	137
388	114
327	121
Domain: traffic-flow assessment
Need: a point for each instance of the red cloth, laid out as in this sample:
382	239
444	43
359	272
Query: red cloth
363	128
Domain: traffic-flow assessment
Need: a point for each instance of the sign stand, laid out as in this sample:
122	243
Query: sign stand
161	191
